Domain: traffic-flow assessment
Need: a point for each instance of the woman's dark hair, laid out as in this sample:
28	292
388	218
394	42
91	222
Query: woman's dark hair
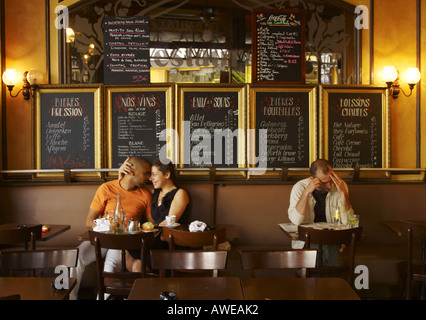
164	168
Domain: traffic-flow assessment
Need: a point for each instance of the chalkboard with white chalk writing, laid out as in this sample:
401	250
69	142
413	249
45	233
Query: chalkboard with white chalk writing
355	127
138	120
68	127
126	50
278	47
211	120
285	118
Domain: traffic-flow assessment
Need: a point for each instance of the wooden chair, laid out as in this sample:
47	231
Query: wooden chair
118	284
21	260
348	237
208	260
25	235
195	241
176	237
416	261
252	260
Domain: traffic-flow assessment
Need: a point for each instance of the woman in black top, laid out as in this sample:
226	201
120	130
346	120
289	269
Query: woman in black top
167	198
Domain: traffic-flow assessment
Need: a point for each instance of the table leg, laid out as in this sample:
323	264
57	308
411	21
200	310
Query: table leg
319	255
123	260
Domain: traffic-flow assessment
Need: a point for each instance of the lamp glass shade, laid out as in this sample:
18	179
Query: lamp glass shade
412	75
69	35
10	77
389	74
34	77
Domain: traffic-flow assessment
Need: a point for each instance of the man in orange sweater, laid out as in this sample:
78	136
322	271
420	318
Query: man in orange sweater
136	201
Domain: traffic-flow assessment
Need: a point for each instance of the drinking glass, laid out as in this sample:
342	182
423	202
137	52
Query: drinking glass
353	221
109	215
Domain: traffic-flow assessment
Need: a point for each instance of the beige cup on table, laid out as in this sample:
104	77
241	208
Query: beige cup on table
170	220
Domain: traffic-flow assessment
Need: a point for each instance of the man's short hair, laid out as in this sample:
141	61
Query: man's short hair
139	160
320	164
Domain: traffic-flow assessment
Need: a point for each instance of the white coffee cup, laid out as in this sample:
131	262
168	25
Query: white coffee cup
170	220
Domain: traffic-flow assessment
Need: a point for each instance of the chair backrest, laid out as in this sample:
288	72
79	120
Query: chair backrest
194	239
19	260
329	237
23	235
142	241
347	237
416	264
212	260
252	260
122	241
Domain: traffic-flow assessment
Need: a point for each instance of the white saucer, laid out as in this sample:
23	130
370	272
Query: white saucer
153	230
174	225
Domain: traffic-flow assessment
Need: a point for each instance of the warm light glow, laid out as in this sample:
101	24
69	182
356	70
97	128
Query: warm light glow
10	77
70	35
389	74
412	76
34	77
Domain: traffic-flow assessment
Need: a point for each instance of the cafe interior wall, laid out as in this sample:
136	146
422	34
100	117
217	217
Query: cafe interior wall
423	89
395	44
25	46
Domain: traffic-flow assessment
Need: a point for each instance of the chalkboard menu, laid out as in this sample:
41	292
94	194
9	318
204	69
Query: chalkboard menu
138	119
126	50
278	47
356	127
67	128
286	116
209	127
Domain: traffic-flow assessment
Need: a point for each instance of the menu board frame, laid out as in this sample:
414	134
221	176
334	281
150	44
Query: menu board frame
241	91
301	74
311	90
169	91
96	137
325	91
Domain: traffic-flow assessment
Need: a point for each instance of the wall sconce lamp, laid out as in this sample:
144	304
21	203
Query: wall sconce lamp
69	35
390	76
30	81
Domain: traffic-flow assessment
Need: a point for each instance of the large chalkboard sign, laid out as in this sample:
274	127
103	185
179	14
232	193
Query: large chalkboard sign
355	126
287	118
67	130
137	119
126	50
211	126
278	47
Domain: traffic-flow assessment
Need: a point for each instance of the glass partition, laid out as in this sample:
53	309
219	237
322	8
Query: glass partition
205	41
